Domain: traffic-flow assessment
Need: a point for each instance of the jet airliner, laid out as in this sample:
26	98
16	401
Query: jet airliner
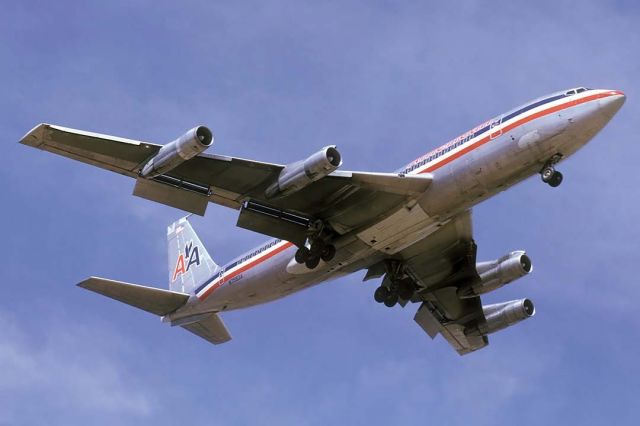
409	229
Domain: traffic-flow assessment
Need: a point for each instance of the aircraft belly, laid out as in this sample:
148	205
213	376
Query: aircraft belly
399	230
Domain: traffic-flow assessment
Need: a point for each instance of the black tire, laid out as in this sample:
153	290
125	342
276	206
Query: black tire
380	294
328	252
302	255
312	262
405	291
556	179
391	300
317	247
547	174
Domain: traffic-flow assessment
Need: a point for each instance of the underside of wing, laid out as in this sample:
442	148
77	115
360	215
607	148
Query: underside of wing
113	153
181	175
432	322
441	273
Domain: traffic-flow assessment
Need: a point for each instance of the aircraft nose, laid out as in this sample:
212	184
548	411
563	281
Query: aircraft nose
612	103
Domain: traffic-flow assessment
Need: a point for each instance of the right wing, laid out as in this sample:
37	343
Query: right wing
442	264
438	266
346	200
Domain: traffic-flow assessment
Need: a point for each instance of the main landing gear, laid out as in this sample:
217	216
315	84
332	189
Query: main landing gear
317	247
396	290
396	286
549	174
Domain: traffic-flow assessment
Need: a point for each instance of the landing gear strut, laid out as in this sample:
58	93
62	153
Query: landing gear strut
317	247
549	174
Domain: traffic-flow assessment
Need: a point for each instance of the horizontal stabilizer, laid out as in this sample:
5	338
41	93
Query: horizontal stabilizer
150	299
211	329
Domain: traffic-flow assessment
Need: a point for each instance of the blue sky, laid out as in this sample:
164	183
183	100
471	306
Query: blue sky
276	80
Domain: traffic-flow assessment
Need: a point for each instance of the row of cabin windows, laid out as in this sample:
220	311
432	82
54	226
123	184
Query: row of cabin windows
471	136
253	254
440	153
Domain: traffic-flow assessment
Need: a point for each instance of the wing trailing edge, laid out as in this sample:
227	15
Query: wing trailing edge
392	183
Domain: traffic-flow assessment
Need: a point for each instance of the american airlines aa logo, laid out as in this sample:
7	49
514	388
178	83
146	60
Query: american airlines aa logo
191	255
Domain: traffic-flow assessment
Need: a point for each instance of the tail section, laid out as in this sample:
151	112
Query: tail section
189	267
189	262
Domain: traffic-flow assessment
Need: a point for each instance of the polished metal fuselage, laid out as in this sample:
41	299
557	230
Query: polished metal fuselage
507	153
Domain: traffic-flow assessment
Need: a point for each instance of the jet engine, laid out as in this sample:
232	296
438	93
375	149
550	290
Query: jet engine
171	155
502	315
296	176
498	273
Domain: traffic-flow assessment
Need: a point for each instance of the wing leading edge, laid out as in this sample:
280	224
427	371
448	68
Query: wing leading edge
337	199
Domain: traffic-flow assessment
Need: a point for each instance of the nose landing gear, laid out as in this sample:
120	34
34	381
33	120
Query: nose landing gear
549	174
551	177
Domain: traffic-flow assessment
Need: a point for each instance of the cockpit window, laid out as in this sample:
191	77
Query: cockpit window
570	92
581	89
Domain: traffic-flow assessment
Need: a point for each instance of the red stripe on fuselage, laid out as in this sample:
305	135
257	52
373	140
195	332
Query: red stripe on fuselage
243	268
517	123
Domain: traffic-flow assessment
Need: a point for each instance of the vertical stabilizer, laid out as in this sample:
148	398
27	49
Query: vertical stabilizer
189	262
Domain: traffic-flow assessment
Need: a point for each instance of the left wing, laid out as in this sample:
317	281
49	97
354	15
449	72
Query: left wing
441	273
440	265
338	199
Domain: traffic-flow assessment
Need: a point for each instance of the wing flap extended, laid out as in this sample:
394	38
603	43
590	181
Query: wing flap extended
154	300
338	199
452	332
189	201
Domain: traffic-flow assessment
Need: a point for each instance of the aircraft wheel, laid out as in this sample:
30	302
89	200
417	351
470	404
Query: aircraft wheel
317	247
391	300
381	293
405	291
302	255
328	252
556	179
547	174
312	262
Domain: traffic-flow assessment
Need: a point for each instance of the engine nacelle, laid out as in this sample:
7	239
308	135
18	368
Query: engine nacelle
502	315
296	176
499	272
180	150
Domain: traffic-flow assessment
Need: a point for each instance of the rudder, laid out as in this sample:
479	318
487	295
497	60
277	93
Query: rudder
189	262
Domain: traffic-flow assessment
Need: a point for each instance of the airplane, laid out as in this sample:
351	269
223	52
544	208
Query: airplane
411	228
